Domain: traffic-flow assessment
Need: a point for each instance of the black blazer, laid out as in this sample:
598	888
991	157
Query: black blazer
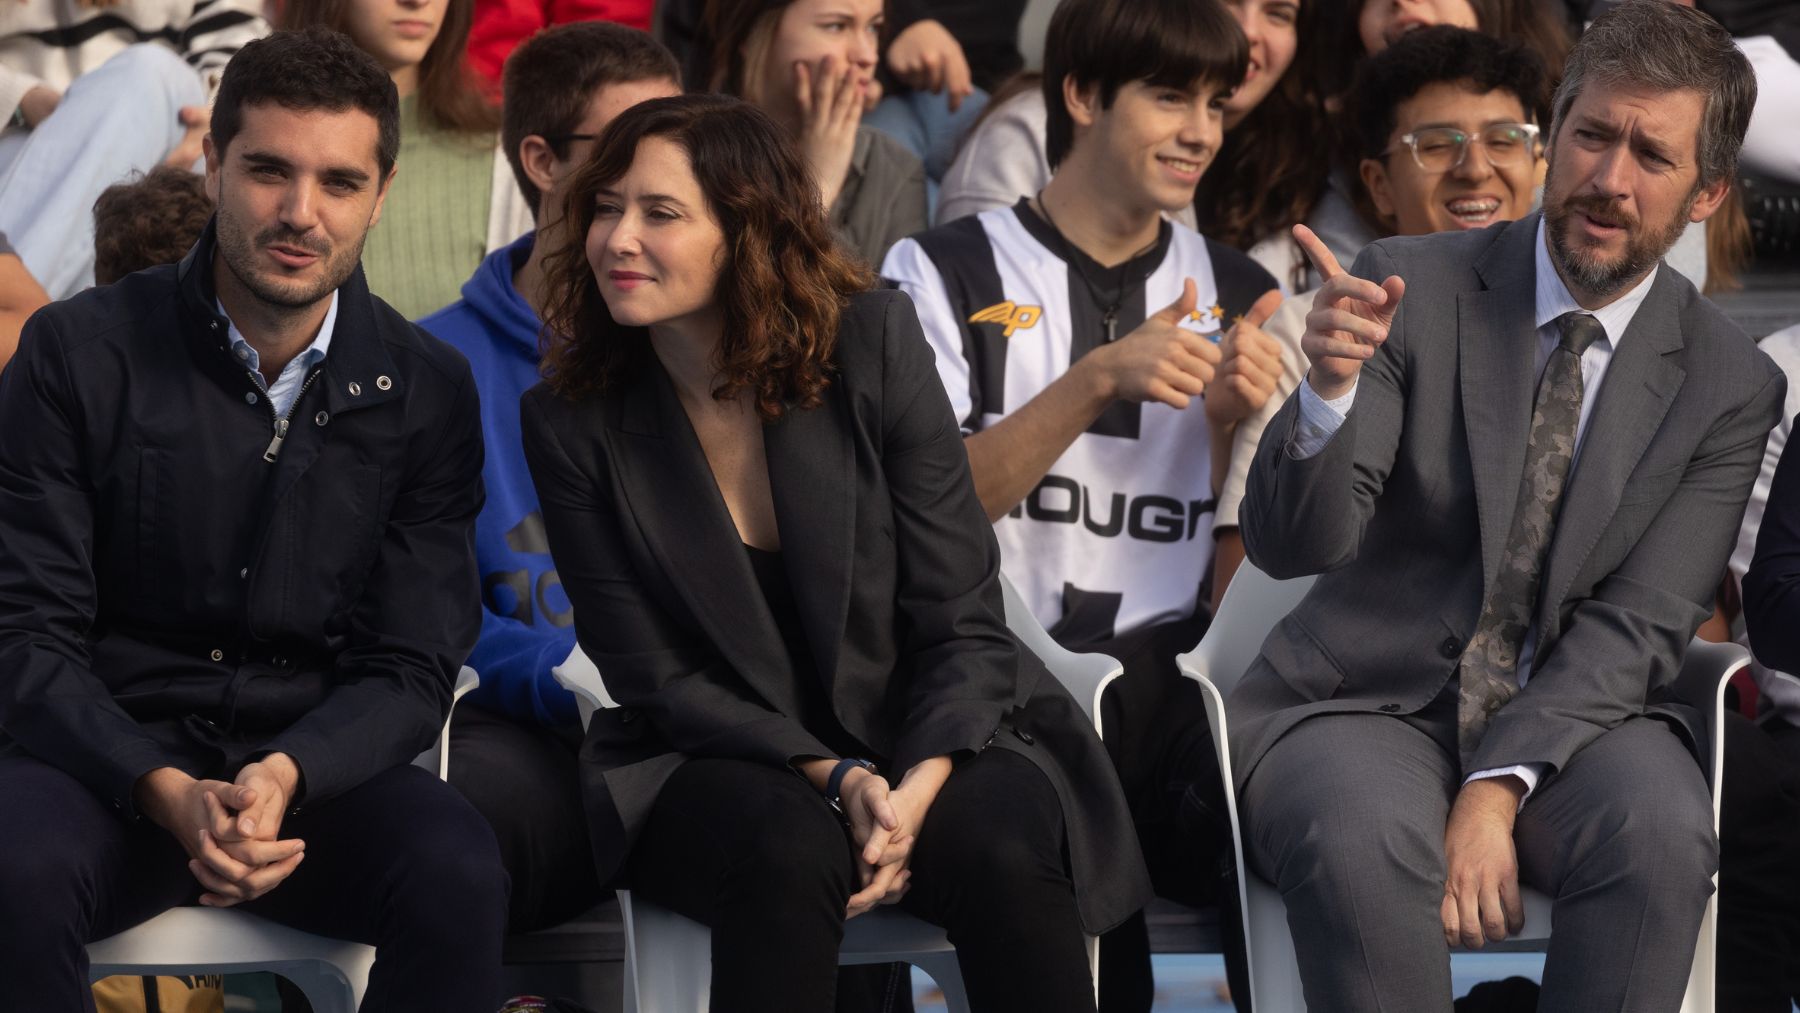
895	572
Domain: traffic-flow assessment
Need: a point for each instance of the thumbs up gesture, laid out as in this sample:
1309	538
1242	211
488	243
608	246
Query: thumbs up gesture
1159	361
1349	320
1250	366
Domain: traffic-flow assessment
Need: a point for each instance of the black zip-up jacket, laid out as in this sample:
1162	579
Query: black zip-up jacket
180	588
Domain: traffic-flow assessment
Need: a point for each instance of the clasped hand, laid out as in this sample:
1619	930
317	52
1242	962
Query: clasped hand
884	824
230	830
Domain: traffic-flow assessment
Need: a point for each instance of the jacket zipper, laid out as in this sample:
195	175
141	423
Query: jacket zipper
281	424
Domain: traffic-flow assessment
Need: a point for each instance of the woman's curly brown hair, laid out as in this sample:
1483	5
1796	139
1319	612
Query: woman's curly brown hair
782	286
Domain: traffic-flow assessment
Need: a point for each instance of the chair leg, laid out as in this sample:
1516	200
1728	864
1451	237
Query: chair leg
943	969
1274	966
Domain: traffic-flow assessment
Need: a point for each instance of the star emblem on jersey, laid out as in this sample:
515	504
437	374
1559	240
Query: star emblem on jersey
1010	316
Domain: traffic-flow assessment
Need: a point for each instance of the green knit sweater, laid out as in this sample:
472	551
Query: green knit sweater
433	228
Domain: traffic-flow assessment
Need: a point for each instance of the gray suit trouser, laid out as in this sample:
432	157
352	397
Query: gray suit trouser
1346	816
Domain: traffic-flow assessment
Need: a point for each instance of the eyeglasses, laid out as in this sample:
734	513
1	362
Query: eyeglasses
1442	149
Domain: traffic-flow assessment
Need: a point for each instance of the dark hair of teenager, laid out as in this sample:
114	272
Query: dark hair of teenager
1441	55
1542	25
450	97
551	78
154	219
313	68
1109	44
781	289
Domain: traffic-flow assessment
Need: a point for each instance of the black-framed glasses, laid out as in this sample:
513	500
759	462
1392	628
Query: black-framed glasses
1442	149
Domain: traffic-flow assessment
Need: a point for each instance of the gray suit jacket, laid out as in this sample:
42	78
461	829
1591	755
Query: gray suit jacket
1405	512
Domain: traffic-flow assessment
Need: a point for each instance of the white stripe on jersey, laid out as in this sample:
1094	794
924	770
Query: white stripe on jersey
1115	516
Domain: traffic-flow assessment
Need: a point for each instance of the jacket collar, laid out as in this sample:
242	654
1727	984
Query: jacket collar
1497	339
676	501
359	360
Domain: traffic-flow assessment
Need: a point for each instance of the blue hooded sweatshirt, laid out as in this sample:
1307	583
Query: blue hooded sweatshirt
527	623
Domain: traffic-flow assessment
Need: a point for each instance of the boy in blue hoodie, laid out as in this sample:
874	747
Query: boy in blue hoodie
514	741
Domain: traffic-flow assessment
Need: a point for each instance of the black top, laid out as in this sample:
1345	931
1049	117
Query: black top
815	716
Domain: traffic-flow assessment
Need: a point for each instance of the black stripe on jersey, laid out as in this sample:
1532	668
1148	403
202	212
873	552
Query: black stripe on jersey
1241	281
1088	617
1087	320
964	258
71	36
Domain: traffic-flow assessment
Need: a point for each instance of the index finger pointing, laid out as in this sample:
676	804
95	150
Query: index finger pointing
1323	260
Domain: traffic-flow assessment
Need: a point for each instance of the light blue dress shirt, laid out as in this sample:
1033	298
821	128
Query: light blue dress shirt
286	387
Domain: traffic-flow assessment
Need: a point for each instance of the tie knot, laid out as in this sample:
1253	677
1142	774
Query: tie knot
1579	330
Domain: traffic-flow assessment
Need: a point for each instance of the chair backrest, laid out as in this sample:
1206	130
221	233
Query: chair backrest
1254	603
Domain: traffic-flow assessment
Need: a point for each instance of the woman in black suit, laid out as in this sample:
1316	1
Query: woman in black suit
761	509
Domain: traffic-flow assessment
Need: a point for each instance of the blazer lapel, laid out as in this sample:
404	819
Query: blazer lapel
811	465
672	495
1640	384
1497	350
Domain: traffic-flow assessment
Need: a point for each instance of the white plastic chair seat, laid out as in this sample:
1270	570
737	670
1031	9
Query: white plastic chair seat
197	940
1253	604
332	973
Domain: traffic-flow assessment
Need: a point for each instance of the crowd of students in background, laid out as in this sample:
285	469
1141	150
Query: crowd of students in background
1090	247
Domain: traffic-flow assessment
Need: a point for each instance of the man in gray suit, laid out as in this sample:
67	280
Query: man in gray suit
1519	485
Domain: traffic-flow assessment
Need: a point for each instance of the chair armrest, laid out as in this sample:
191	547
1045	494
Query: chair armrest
437	758
1085	676
1705	670
579	676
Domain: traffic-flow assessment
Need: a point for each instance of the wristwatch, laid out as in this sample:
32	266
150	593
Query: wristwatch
834	785
18	116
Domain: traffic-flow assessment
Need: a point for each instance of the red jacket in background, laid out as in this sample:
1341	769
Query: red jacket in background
500	25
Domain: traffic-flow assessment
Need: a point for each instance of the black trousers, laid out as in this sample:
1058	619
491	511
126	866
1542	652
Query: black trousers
1759	868
523	779
756	854
1161	746
400	862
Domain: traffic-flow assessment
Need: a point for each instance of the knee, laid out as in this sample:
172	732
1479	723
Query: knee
45	885
145	70
801	850
1336	831
999	868
1657	844
454	876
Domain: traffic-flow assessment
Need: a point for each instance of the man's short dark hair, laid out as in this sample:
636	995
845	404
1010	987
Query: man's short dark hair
148	221
1441	55
551	78
312	68
1663	47
1111	43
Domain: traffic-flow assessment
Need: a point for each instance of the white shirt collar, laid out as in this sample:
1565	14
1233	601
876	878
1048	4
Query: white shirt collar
1554	298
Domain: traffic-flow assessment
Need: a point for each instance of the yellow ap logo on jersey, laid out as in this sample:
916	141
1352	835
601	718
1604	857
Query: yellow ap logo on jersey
1010	316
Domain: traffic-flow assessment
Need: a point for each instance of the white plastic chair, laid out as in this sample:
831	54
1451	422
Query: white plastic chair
668	958
332	973
1253	604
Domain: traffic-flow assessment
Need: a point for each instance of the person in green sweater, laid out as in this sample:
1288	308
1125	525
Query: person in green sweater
456	200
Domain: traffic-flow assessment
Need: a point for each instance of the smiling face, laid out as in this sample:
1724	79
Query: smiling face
1152	144
654	246
1384	21
1472	195
1269	27
1623	184
296	192
397	33
808	31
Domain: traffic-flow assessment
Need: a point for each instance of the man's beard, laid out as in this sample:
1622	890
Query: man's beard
1643	248
240	255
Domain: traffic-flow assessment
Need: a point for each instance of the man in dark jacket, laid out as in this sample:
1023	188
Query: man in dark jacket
236	578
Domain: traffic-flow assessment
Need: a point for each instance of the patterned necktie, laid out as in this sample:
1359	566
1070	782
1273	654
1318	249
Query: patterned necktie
1489	675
